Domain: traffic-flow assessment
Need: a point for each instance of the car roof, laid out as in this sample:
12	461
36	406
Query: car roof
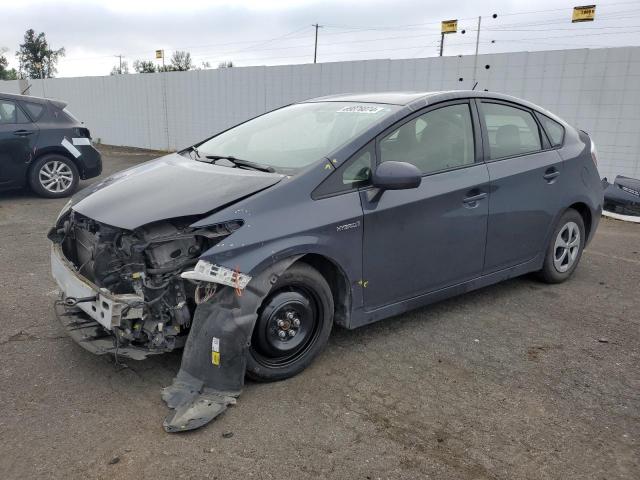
29	98
416	98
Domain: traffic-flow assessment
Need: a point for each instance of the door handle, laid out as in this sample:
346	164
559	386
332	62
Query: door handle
551	174
474	198
22	133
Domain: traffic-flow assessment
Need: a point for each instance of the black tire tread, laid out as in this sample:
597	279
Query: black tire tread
298	271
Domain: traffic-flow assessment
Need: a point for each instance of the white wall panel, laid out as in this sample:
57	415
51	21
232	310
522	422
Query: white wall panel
597	90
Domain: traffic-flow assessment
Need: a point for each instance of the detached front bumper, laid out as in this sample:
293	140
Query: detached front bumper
107	309
92	324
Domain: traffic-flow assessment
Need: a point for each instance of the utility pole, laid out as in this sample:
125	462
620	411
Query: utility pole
119	68
475	58
315	49
441	43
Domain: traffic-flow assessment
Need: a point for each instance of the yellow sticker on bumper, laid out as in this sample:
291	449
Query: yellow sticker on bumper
215	351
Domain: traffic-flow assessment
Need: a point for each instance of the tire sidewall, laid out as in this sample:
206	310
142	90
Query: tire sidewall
299	273
34	174
549	272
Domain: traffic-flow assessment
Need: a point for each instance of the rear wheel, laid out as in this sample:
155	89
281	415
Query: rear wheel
293	325
565	248
53	176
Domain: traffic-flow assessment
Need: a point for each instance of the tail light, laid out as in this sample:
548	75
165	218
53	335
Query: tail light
83	132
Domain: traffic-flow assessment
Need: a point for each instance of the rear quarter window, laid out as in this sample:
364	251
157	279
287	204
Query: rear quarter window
554	130
34	109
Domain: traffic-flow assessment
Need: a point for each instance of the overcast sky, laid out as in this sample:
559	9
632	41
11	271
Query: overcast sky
274	32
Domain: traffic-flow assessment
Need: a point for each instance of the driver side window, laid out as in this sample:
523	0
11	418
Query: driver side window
438	140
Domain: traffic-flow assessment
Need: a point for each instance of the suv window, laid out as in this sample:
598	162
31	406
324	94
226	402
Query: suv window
511	130
437	140
34	109
8	112
554	130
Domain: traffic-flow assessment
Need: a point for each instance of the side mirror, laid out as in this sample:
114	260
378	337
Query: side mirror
396	176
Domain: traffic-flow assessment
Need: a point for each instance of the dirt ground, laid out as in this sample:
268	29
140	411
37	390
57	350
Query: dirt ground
518	380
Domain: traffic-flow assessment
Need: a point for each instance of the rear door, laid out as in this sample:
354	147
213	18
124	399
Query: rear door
17	141
526	183
420	240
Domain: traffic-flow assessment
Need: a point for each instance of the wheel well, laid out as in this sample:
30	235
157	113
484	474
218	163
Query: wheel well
338	282
585	213
55	151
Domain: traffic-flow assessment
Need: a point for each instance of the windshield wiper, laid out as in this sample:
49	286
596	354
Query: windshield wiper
242	163
194	149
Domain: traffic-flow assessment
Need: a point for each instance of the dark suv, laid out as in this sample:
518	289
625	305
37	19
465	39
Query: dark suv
42	145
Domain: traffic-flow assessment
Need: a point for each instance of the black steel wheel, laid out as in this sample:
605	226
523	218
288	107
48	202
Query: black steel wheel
293	325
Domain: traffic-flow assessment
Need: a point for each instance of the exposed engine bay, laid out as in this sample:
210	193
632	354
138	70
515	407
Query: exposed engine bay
146	262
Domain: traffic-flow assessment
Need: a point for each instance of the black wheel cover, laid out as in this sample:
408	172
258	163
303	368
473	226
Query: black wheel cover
289	323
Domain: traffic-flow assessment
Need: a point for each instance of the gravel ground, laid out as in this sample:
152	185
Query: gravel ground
518	380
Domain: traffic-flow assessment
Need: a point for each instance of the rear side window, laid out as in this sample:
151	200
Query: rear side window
512	131
34	110
8	112
554	130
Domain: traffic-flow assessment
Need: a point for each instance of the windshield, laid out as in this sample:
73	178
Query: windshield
293	137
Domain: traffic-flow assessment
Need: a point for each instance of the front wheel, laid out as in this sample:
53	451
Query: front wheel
565	248
293	325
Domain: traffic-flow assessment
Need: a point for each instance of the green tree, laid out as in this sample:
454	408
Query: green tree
181	61
121	68
226	64
6	73
36	58
144	66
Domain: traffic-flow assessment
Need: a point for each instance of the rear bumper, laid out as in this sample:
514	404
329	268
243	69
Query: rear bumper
91	162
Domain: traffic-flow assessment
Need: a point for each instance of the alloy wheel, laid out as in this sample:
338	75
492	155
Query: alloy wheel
55	176
567	247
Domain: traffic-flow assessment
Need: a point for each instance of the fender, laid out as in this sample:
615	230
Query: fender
212	370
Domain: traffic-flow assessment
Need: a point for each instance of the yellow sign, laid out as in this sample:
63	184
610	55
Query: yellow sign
585	13
449	26
159	53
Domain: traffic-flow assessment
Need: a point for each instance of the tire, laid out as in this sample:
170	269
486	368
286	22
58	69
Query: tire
54	176
565	248
299	302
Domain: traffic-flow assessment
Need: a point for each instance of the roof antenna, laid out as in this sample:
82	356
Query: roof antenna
474	86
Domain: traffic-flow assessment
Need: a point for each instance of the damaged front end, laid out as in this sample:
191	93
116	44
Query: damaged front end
123	290
145	291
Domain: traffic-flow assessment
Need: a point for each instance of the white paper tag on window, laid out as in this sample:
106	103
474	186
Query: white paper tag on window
360	109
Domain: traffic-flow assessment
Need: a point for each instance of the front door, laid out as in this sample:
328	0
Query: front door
420	240
17	139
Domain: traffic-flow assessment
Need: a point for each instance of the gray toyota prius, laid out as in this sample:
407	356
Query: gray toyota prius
246	248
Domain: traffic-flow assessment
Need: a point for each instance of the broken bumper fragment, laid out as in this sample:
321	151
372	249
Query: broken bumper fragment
89	314
98	303
208	272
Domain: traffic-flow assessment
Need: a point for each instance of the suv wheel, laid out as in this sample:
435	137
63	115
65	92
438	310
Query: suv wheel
565	248
293	325
54	176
